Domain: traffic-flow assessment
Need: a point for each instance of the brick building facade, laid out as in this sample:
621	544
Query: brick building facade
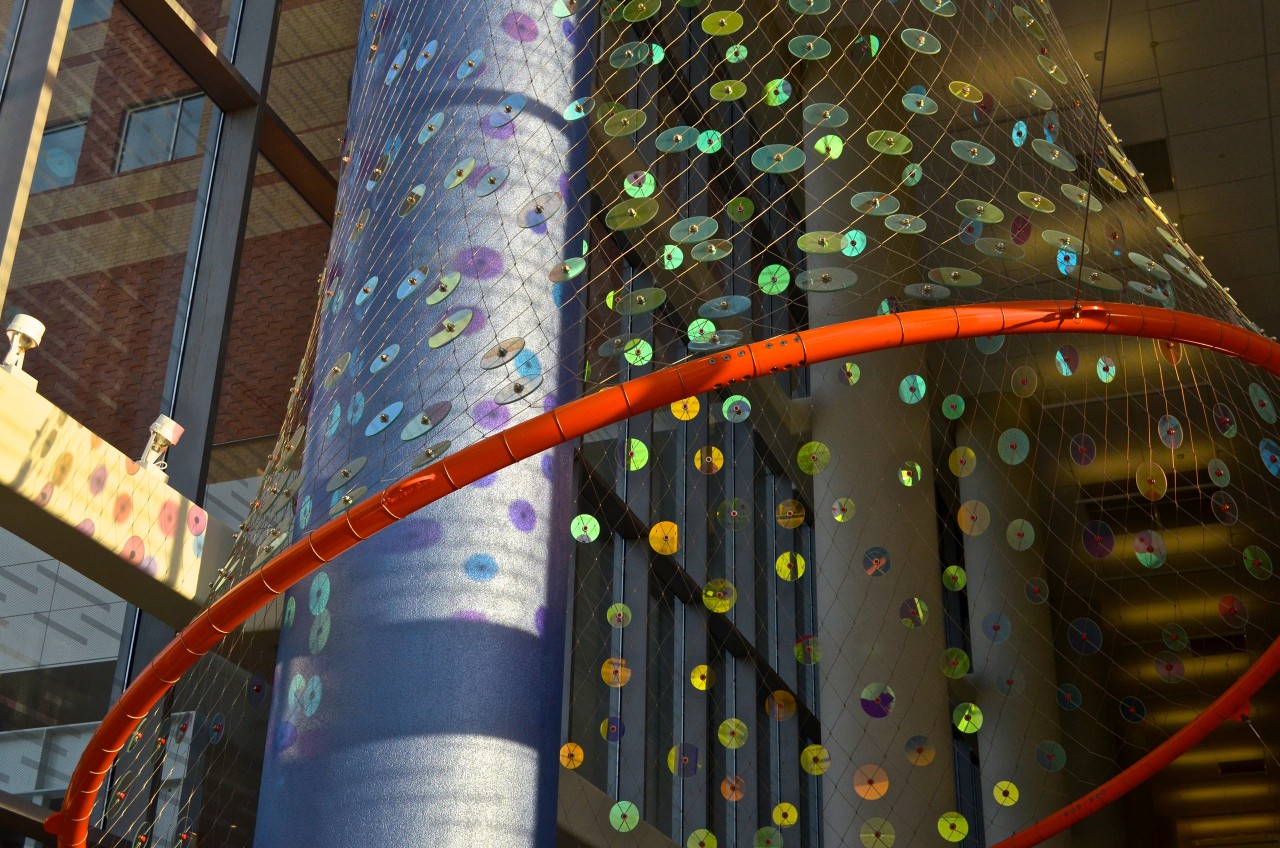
101	258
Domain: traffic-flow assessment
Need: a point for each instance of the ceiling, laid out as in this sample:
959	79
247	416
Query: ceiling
1205	75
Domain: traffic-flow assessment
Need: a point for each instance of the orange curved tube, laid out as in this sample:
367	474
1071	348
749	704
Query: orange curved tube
577	418
1231	704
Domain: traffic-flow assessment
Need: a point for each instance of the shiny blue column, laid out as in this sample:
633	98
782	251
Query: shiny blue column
419	682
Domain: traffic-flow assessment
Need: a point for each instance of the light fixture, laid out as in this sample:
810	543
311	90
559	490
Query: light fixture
165	432
24	334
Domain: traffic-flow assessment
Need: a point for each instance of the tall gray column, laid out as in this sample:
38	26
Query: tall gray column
871	434
419	683
1014	670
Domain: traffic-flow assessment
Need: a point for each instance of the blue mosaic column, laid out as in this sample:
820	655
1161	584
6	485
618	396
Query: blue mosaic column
419	682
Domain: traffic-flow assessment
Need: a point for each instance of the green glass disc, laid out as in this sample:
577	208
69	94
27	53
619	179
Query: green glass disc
809	47
825	115
631	213
727	91
629	55
829	146
778	158
980	210
625	122
889	142
640	10
740	209
776	92
721	23
773	279
694	229
820	241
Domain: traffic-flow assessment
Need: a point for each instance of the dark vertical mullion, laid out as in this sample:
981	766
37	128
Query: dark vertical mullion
767	638
173	136
787	592
631	575
194	376
572	628
681	638
617	649
631	565
692	485
633	562
740	572
738	142
747	759
811	796
781	657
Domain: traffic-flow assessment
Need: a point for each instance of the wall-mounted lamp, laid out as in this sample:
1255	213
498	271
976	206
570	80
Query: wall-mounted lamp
165	433
24	334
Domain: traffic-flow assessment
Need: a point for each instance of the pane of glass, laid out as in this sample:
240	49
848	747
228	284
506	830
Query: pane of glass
284	249
148	136
188	140
100	261
86	12
214	17
7	16
311	72
59	157
58	662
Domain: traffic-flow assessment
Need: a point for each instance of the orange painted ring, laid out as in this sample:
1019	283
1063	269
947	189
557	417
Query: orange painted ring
577	418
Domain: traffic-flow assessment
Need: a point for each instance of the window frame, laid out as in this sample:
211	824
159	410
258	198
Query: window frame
77	123
91	12
176	102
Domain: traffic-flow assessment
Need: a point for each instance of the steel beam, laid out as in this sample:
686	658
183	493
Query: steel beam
194	378
38	35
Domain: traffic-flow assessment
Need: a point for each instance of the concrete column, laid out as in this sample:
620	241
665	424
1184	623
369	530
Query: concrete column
871	433
419	684
1014	669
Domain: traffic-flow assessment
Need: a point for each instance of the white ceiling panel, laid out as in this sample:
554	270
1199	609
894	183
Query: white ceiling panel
1242	254
1131	59
1216	156
1080	12
1203	33
1210	97
1255	298
1222	208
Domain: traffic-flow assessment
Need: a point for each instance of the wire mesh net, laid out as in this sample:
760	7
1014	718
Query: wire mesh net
926	594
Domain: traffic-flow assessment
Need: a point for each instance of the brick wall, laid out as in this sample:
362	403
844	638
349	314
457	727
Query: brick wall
101	261
272	320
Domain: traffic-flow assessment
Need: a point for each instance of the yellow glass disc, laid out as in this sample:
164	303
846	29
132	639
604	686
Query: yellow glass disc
815	759
571	755
665	537
687	409
709	460
962	462
615	672
732	733
1005	793
790	513
790	566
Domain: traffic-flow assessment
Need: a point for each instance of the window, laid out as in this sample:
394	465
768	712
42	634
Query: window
86	12
161	132
59	157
